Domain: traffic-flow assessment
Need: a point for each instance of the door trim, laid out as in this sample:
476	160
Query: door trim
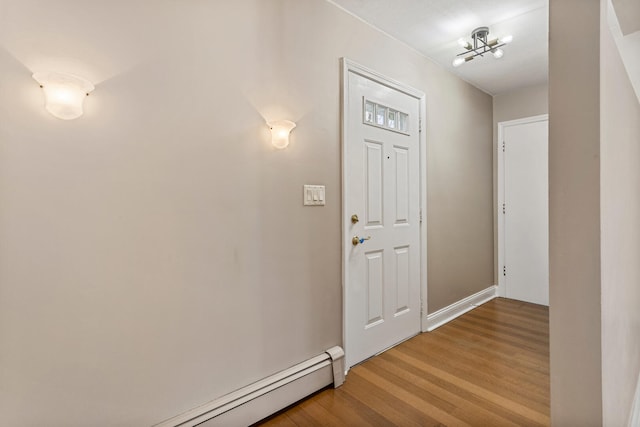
353	67
502	290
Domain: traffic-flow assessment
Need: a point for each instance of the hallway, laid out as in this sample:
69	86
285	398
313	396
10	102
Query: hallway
489	367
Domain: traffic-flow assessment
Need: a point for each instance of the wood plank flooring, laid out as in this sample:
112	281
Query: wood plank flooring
489	367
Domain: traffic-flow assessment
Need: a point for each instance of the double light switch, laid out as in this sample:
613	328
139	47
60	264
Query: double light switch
314	195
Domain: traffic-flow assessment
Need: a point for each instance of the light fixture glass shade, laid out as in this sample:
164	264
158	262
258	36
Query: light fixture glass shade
64	94
465	44
497	53
458	61
280	131
506	39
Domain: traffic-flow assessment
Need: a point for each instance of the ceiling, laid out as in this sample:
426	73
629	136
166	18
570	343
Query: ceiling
432	27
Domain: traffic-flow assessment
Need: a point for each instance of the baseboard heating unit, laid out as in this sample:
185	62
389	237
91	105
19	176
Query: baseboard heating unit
256	401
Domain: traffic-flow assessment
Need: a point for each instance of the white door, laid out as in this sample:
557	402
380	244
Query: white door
382	188
526	212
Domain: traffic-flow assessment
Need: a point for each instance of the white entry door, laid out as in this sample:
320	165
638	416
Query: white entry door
525	210
382	202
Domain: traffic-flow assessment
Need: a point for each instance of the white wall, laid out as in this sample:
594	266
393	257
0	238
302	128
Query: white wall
155	253
628	14
620	219
624	24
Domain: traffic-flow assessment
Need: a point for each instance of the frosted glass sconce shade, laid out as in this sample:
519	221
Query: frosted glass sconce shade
64	94
280	131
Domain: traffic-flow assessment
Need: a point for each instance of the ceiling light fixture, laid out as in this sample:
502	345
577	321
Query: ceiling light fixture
481	45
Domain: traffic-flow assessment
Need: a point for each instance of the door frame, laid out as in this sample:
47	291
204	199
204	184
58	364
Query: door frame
502	288
349	66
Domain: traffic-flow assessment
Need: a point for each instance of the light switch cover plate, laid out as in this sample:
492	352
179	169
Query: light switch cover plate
314	195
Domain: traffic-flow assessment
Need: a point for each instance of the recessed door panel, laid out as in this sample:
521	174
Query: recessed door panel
401	156
402	280
373	181
375	280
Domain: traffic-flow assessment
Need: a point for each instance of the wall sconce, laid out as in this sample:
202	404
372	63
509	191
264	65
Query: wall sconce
280	131
64	94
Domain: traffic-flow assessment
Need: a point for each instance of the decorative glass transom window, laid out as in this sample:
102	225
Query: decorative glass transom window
384	117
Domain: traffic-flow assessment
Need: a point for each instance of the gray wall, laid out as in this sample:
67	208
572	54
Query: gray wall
620	224
155	253
514	104
595	220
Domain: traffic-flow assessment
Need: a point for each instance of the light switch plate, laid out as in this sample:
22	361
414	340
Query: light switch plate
314	195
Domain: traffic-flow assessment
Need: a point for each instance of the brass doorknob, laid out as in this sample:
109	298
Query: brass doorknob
354	219
356	240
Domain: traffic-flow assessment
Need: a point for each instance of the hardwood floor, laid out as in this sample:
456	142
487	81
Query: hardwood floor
489	367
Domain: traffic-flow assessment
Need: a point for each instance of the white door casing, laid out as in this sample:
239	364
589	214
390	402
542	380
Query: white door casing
523	209
384	185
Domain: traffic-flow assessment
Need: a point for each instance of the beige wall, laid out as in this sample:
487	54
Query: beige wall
155	253
574	213
595	221
620	223
459	222
515	104
519	103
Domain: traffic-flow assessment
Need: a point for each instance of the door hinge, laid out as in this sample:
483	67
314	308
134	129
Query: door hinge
503	146
420	125
504	208
504	270
420	216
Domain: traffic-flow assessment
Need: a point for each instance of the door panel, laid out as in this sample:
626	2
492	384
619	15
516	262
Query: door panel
526	196
402	281
402	185
375	291
374	183
382	169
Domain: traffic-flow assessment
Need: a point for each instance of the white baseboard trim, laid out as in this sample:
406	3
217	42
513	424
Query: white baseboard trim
456	309
256	401
634	416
